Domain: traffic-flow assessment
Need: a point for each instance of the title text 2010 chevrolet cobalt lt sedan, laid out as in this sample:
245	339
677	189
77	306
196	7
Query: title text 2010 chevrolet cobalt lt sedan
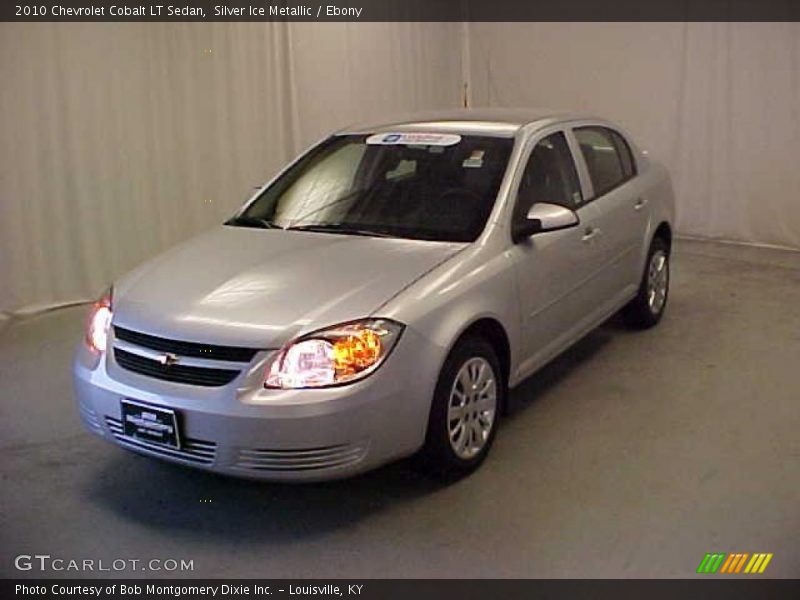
380	296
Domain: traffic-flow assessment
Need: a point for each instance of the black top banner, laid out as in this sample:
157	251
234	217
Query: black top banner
401	10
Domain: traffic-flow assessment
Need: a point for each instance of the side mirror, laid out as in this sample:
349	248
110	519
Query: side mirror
543	217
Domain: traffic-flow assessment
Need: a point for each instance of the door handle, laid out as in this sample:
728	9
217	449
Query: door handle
640	202
589	234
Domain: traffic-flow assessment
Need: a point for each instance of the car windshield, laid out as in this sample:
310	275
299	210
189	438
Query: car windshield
420	186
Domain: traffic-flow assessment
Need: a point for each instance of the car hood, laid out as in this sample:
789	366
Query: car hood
259	288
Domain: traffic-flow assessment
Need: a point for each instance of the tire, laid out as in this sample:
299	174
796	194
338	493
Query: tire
447	453
647	307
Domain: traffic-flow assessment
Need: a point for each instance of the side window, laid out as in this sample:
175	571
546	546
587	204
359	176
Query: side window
603	158
549	176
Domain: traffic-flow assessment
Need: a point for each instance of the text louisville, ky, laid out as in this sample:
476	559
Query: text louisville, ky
178	591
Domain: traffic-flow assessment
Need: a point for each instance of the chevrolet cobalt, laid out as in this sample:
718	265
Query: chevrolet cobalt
380	296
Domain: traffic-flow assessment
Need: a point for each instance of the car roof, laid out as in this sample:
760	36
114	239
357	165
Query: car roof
500	122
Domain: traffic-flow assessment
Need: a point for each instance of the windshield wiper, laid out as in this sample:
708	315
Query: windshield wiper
245	221
340	228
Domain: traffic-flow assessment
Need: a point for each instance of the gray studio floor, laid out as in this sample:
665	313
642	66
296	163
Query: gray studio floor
631	456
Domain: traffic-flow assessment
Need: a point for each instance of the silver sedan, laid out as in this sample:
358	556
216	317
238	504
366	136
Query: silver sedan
380	296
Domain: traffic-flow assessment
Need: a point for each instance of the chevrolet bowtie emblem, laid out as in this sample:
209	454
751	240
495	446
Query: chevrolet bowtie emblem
168	359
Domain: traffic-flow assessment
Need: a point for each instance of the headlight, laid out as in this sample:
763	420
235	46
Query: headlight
341	354
99	322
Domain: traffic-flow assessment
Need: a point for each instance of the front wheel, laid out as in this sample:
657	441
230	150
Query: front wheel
647	307
463	417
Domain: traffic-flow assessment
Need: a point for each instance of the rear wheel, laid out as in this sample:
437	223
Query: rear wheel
647	308
465	409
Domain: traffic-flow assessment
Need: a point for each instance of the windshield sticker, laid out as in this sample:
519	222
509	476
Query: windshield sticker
475	160
419	139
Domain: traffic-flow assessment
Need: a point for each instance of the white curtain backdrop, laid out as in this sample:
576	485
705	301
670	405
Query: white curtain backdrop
119	140
719	103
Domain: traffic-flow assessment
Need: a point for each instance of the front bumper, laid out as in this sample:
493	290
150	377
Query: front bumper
244	430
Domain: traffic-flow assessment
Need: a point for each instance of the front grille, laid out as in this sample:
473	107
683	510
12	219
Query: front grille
189	349
177	373
195	451
300	459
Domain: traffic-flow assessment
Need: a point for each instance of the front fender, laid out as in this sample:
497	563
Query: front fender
447	301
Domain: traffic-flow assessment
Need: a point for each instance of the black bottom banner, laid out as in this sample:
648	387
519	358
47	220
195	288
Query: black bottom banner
388	589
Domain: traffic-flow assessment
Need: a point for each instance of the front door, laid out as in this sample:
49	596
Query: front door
556	271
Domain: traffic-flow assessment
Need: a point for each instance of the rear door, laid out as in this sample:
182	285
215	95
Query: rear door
621	208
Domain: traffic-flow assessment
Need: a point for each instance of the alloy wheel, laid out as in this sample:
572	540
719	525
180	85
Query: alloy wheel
472	407
657	281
